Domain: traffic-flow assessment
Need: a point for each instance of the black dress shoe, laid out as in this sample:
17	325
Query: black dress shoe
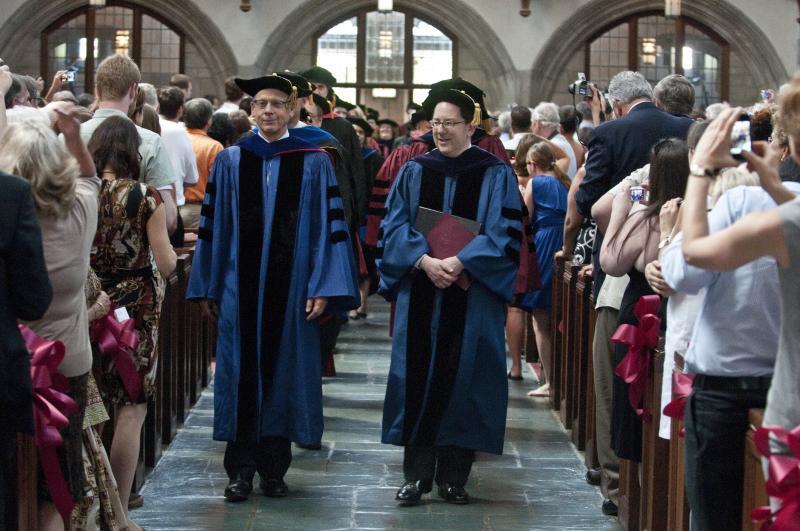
409	494
593	476
238	490
453	494
274	488
609	508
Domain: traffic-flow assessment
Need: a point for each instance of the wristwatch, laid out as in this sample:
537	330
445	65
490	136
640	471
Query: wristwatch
699	171
663	243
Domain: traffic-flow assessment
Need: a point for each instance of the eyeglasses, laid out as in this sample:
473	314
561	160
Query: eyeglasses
446	124
278	105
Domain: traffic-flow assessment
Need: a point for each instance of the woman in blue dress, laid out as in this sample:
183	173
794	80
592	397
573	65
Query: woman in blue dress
546	199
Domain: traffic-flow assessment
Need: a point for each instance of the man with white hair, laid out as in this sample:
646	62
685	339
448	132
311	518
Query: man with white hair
546	124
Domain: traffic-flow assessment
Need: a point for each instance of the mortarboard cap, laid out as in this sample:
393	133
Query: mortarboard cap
304	88
387	121
322	103
274	81
317	74
362	124
418	117
470	109
463	85
346	105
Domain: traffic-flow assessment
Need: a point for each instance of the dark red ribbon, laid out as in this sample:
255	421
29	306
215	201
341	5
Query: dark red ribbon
640	341
783	482
681	389
51	410
119	340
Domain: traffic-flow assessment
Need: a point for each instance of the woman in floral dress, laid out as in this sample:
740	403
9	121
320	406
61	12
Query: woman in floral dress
131	235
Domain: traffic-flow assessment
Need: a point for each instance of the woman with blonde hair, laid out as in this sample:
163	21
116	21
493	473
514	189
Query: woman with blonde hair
64	187
546	199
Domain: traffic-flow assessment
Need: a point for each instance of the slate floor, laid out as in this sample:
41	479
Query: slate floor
350	483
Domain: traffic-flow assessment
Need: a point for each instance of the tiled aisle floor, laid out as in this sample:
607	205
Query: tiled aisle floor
350	483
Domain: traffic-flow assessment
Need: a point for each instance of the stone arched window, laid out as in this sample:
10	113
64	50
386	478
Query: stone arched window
658	46
84	37
385	59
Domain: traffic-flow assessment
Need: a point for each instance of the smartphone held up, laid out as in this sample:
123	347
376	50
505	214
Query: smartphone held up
740	137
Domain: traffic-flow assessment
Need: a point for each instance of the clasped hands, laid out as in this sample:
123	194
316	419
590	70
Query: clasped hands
441	272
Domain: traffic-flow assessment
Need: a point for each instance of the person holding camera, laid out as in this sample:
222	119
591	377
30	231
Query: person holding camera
747	254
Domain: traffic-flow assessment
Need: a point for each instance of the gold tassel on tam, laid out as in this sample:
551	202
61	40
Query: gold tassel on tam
476	116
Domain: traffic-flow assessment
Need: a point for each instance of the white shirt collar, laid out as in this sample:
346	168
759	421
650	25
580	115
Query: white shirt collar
261	135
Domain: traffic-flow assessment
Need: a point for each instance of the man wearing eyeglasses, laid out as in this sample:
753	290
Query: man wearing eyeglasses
447	390
273	260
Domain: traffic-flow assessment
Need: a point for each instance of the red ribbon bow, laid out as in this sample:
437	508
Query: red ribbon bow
119	340
784	479
51	409
640	341
681	389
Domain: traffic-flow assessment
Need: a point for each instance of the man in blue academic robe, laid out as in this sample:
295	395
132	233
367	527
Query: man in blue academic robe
273	259
447	391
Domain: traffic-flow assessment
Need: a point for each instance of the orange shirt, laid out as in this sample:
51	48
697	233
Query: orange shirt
206	150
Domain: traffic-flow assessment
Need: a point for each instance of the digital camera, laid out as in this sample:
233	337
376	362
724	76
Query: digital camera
580	86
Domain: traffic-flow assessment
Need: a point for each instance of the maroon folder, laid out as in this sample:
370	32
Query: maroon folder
446	235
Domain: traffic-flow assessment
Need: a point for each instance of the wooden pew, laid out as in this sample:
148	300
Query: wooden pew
168	400
655	454
629	495
754	492
554	371
179	350
583	376
678	507
27	507
568	385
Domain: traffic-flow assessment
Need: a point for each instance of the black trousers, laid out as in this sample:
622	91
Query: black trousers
445	464
328	333
270	457
716	421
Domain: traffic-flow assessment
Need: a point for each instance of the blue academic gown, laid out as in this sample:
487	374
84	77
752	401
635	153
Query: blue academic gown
272	234
447	381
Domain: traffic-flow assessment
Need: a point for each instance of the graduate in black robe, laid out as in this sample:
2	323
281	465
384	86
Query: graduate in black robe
368	276
352	167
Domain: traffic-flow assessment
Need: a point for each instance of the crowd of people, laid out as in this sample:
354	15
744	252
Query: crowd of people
300	205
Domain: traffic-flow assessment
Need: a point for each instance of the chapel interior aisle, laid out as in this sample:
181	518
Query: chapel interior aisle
351	482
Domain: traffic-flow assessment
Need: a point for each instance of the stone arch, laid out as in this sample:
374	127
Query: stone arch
745	38
27	23
476	40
